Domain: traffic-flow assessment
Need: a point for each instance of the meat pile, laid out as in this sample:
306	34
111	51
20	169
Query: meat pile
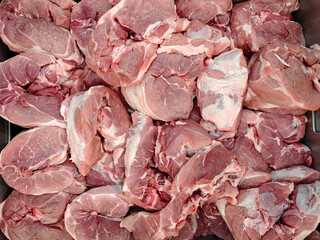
158	120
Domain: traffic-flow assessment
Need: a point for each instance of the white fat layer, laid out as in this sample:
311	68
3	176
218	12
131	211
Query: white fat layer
229	90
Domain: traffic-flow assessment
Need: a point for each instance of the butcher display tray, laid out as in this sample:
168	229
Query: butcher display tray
308	16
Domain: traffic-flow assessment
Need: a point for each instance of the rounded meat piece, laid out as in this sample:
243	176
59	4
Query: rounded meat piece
34	162
34	217
166	93
97	214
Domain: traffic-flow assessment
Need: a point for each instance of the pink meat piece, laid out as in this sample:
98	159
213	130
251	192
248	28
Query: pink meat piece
257	209
280	82
145	187
189	229
34	217
167	90
42	9
218	173
277	153
159	23
222	21
20	106
110	54
84	18
203	10
85	80
176	142
88	114
116	50
221	91
302	218
212	171
247	154
107	171
211	222
198	38
296	174
33	166
28	110
97	213
261	130
254	179
256	23
161	224
291	128
36	35
52	79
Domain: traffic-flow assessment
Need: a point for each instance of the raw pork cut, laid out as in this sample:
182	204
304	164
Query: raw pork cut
118	60
203	10
145	187
221	91
34	162
296	174
116	50
209	175
109	170
43	9
247	154
211	222
258	131
189	229
26	109
257	209
97	213
160	22
256	23
279	81
166	92
26	217
176	142
84	18
36	35
86	79
302	218
89	115
197	39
